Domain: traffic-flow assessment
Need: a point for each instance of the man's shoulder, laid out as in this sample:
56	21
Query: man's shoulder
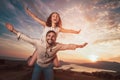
59	44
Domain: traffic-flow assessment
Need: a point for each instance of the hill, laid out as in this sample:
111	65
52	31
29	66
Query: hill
104	65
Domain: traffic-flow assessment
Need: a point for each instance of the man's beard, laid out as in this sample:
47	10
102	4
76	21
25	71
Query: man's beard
50	43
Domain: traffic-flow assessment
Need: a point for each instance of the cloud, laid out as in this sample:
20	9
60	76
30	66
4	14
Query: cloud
113	40
110	4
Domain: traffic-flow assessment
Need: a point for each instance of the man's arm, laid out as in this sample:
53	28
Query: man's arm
71	46
19	35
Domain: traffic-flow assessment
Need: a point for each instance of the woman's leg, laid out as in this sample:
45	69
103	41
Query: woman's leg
48	72
56	62
36	72
32	59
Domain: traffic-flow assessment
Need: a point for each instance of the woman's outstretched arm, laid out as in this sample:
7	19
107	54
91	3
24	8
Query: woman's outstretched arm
69	31
43	23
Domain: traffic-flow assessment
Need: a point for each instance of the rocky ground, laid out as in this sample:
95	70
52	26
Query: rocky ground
13	70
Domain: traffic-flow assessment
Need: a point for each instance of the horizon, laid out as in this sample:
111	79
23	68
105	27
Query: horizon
68	61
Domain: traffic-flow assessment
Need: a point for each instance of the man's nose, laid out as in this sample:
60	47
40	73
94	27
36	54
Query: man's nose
50	37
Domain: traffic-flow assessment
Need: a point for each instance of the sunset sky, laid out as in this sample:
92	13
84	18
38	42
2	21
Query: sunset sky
99	21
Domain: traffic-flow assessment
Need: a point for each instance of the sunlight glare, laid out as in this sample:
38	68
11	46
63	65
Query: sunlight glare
93	58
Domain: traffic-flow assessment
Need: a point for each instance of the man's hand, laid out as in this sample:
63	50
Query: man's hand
9	27
81	46
85	44
78	31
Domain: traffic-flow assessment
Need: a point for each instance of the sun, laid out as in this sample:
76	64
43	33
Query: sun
93	58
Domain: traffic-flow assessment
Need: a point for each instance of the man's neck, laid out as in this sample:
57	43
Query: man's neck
50	45
53	25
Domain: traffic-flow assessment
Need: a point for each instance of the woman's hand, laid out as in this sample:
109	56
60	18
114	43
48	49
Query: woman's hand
27	10
9	27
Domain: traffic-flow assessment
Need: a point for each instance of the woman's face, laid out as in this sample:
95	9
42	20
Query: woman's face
54	18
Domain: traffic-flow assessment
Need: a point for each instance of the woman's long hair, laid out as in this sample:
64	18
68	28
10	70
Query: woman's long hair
49	22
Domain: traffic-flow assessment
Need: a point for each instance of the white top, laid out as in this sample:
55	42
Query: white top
46	29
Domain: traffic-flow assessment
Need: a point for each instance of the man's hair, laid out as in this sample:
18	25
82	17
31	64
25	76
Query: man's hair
52	32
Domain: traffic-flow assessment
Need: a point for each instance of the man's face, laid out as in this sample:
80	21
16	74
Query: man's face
51	38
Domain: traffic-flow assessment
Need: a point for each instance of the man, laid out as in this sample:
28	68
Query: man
45	52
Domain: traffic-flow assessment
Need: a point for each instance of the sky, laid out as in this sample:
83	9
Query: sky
98	20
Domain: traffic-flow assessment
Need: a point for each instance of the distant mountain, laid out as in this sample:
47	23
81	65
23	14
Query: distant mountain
103	65
64	63
10	58
115	58
115	66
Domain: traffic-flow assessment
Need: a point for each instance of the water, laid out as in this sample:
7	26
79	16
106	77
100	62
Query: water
77	68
